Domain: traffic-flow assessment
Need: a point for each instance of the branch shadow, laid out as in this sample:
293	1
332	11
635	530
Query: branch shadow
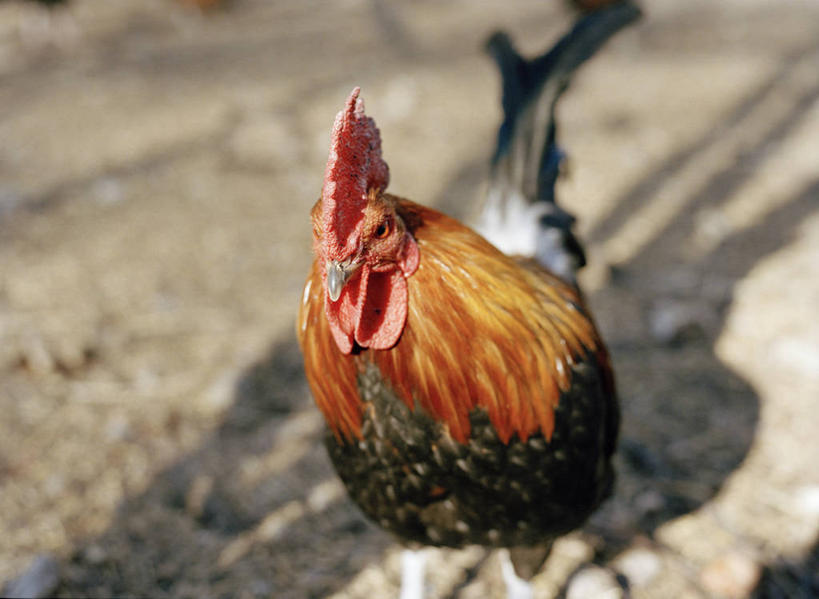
688	419
255	510
790	579
647	188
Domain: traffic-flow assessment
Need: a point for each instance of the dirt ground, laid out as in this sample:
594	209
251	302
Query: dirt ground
157	166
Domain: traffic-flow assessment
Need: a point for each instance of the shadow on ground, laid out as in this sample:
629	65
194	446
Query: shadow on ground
786	579
254	511
208	527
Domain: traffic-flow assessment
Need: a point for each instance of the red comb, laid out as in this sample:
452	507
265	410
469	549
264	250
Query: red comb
354	168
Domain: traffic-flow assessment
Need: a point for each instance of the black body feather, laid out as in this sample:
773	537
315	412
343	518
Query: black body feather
408	475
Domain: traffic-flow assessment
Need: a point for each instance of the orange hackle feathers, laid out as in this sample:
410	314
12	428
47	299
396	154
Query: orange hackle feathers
483	331
331	374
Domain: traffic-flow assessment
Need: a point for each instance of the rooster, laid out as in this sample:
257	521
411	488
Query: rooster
468	395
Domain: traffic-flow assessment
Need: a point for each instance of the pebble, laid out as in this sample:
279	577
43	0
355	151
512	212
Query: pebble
94	554
594	582
40	580
732	575
807	500
36	356
9	200
640	566
197	495
108	191
261	588
650	501
797	354
118	428
672	322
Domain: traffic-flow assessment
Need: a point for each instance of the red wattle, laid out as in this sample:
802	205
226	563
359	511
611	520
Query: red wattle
372	309
384	310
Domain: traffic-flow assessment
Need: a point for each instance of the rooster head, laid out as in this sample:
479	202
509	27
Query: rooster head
362	243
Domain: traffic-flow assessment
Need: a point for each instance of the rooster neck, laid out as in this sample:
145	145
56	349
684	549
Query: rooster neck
486	331
483	332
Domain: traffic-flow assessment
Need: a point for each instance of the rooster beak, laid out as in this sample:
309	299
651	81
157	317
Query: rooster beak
338	274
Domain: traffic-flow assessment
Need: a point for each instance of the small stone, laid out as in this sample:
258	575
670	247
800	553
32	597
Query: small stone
324	495
640	566
672	322
108	191
94	554
9	200
799	355
650	501
54	485
118	428
261	588
733	575
711	226
807	500
40	580
197	495
219	396
36	357
594	582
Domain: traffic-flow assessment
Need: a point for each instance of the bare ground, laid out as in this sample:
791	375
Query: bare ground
156	171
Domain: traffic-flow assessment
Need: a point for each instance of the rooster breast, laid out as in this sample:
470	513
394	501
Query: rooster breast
493	419
409	475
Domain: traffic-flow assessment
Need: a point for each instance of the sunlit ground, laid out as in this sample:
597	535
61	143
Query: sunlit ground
157	167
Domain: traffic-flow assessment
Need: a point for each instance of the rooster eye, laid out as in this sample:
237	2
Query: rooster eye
383	229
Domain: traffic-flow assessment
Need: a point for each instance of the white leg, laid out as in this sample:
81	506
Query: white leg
516	587
413	564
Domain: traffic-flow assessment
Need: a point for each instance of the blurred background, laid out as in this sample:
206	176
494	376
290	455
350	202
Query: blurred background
158	161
